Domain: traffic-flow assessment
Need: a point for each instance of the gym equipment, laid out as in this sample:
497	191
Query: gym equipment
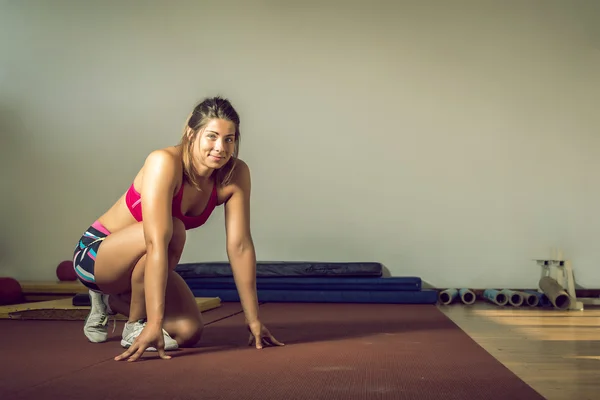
65	271
557	282
495	296
542	299
467	296
320	289
448	296
331	296
556	294
514	298
529	299
285	269
321	283
11	291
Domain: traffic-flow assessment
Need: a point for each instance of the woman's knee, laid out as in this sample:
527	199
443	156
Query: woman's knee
188	332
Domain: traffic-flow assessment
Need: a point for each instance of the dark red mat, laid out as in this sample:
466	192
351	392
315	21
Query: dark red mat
334	351
39	351
225	310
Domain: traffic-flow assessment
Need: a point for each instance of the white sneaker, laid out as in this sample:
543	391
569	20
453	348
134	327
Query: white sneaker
133	329
96	323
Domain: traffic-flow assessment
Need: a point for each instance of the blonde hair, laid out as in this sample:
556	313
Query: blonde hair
207	110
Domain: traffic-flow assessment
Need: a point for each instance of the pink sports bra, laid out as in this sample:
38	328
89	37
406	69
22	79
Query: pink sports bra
133	199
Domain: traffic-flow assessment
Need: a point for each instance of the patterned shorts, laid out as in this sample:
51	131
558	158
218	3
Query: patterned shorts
84	256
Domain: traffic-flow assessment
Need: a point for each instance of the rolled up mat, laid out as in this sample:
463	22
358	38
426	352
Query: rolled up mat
556	293
514	298
543	300
448	296
529	299
495	296
467	296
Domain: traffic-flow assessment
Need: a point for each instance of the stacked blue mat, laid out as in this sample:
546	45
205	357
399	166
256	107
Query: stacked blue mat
309	282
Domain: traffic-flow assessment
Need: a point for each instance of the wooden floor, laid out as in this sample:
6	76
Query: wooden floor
555	352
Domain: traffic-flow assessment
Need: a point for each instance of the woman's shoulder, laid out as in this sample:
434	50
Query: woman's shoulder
170	154
168	158
239	181
241	173
164	163
241	166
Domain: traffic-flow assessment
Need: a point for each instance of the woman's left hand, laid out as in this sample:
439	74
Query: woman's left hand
260	335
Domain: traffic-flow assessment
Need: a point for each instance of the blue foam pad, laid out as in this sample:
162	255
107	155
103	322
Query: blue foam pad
324	284
319	296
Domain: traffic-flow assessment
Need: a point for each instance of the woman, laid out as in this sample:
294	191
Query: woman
128	256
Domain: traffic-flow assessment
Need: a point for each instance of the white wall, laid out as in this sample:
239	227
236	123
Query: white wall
454	140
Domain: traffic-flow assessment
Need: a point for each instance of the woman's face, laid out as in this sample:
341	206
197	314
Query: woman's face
215	144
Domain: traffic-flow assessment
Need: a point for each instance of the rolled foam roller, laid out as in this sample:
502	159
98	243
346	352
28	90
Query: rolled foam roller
467	296
543	300
556	293
514	298
448	296
495	296
530	299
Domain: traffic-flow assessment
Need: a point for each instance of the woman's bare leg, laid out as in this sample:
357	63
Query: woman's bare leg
120	263
119	269
183	319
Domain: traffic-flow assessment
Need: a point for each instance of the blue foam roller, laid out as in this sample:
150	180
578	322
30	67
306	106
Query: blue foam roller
325	284
495	296
544	301
320	296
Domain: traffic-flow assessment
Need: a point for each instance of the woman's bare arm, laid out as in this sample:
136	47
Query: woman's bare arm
158	185
240	247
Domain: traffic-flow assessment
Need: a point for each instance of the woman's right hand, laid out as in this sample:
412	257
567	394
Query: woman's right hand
151	336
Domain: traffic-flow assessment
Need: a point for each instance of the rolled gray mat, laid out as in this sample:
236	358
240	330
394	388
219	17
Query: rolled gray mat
555	292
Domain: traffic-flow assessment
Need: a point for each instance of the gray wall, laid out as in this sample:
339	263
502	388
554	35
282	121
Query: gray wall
453	140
